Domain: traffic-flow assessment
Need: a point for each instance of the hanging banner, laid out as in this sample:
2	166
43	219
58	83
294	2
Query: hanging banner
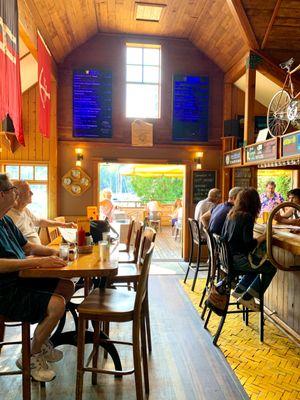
44	74
10	83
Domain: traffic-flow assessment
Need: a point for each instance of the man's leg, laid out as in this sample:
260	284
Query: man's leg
55	311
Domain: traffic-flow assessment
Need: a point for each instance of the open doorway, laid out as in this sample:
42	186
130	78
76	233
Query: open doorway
139	188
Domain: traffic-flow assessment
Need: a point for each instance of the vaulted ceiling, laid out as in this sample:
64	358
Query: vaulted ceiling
223	29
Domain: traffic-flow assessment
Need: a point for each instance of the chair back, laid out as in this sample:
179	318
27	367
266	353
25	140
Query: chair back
129	234
194	230
143	282
222	253
148	238
212	252
53	233
137	241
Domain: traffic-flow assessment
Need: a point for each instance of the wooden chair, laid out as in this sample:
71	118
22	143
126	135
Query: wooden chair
53	233
25	341
131	273
224	264
108	305
199	242
125	247
127	257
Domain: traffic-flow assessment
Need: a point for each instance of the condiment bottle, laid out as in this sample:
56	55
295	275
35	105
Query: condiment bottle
81	237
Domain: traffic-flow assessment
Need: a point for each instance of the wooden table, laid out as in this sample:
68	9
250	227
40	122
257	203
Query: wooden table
86	266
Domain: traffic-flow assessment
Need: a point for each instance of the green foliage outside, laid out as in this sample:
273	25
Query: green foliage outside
163	189
284	182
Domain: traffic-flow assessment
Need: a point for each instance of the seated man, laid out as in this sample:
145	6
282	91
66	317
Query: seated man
39	301
25	220
213	198
214	219
291	215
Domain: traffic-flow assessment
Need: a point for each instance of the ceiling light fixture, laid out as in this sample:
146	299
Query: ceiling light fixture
148	11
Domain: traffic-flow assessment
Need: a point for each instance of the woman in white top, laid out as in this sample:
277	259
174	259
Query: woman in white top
106	208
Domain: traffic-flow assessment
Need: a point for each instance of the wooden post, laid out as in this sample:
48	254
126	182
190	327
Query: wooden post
251	64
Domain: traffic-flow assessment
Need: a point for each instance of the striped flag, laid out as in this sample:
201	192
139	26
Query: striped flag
10	83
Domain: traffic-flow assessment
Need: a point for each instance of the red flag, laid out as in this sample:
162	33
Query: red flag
44	75
10	83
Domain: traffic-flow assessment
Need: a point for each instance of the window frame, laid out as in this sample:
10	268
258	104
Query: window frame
144	46
32	181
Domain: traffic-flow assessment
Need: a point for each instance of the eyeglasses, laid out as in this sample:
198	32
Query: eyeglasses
9	189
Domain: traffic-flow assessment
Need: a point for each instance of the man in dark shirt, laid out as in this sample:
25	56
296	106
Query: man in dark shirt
214	219
39	301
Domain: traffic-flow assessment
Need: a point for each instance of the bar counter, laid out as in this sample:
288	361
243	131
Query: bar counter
282	297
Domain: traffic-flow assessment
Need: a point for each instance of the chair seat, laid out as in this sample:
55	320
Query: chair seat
122	247
127	273
125	257
109	304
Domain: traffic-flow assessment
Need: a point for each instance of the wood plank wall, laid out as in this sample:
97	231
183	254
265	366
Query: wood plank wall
37	150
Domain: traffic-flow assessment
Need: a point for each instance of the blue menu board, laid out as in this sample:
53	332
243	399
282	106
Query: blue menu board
190	108
92	103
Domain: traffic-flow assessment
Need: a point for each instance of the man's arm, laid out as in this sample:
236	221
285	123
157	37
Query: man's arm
32	249
43	223
205	218
287	221
8	265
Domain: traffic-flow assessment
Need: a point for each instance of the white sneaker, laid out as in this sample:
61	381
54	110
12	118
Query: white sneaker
39	369
50	353
251	304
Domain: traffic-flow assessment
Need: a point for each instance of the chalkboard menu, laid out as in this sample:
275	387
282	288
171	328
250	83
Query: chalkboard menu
203	181
290	145
242	177
261	151
233	157
92	103
190	108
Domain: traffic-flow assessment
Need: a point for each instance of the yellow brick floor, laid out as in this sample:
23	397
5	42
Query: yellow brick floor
269	370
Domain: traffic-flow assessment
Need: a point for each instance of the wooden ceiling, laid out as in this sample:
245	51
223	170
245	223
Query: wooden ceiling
223	29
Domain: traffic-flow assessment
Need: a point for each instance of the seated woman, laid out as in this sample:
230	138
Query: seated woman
177	212
238	231
106	208
291	216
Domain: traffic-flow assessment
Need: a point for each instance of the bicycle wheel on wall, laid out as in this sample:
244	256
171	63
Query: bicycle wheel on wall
277	118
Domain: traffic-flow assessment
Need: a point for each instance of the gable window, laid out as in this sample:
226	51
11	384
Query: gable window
143	80
37	177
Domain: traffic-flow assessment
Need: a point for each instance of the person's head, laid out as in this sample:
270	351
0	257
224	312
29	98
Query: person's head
214	195
8	193
107	194
294	195
178	203
233	193
247	201
25	193
270	187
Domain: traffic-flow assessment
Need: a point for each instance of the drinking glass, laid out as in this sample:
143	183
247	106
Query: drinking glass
64	251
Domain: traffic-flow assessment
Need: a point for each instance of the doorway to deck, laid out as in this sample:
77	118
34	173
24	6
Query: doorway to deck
134	186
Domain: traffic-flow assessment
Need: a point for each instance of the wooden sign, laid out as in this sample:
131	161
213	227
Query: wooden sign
264	151
290	145
76	181
232	158
203	181
141	133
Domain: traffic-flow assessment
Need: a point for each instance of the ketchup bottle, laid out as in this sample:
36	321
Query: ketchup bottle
81	237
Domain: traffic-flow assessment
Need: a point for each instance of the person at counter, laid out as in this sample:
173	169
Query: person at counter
291	215
25	220
270	199
214	219
40	301
238	232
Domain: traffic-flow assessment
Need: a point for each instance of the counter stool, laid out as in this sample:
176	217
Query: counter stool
198	241
26	387
224	264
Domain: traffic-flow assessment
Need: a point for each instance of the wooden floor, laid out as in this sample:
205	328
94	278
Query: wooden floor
166	247
184	364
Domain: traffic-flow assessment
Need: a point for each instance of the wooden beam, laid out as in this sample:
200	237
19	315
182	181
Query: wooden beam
241	19
274	15
28	33
237	70
249	103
